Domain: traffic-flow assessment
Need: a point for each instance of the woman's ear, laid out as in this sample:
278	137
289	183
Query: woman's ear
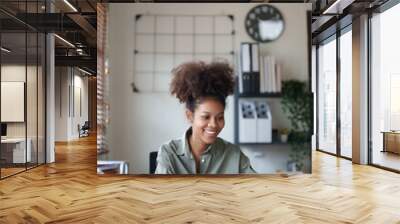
189	115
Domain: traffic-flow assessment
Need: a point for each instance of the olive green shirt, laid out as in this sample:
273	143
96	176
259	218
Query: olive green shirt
221	157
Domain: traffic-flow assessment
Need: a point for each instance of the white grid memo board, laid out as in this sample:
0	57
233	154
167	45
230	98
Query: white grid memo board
165	41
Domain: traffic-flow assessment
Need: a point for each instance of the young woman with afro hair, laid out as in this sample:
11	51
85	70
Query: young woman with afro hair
203	88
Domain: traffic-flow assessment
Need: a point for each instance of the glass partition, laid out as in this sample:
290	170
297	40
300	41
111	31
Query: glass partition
41	87
327	96
385	89
22	88
31	99
346	93
13	109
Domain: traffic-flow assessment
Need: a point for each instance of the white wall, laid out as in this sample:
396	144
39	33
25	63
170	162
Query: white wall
61	103
67	83
140	123
33	126
81	82
12	73
17	73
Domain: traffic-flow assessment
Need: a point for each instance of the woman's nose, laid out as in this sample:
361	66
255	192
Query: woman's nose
212	123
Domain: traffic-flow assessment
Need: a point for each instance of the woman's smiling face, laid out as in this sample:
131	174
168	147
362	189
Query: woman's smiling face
207	120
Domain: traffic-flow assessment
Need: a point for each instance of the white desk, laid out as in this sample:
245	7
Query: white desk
120	166
18	150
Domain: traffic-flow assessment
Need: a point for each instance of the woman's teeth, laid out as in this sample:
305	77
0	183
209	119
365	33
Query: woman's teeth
211	132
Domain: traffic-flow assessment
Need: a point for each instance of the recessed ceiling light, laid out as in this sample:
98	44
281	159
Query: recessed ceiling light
70	5
64	40
84	71
337	7
5	49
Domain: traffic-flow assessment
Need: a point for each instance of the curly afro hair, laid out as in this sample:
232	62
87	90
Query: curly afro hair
194	81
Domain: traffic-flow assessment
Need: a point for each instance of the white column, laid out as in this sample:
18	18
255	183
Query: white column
50	100
360	90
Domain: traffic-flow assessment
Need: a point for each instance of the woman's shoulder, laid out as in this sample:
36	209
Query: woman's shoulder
172	146
227	145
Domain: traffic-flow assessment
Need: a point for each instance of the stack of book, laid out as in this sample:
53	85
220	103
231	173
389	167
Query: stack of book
270	75
258	74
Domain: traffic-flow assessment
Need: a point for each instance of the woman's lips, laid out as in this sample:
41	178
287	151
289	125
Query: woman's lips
211	132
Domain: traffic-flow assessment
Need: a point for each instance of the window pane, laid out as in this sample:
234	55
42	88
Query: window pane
327	97
385	88
13	148
346	94
31	101
41	98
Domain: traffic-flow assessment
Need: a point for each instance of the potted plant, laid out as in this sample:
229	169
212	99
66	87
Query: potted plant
283	134
297	105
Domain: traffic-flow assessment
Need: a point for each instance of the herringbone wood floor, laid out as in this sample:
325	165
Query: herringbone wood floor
69	191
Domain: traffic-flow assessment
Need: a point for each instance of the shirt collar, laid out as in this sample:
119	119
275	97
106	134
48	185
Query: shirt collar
185	149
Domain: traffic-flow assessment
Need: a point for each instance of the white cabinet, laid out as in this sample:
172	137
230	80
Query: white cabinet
18	149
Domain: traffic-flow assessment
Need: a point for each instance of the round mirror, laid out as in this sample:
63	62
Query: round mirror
264	23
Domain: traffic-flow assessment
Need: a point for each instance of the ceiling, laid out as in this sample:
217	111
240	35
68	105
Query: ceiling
72	20
76	22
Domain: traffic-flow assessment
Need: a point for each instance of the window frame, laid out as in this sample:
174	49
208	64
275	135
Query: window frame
333	37
378	10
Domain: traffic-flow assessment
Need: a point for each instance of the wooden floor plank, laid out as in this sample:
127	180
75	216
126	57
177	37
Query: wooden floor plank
69	191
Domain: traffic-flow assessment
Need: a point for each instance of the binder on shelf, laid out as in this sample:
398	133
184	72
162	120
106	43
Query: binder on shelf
247	122
246	82
254	58
245	57
258	74
250	68
264	123
256	82
239	74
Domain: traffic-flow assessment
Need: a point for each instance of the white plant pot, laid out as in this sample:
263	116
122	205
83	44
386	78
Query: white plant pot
291	167
284	138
